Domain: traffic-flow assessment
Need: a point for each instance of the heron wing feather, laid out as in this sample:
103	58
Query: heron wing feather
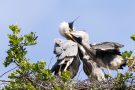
67	57
107	46
66	49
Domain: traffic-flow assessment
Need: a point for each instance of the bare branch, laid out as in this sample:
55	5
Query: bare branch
132	65
50	62
8	71
6	81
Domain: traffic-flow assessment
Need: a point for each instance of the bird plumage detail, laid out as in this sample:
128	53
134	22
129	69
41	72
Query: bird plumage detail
108	55
67	55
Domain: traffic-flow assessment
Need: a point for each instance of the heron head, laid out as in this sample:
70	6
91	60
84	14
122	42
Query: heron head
64	28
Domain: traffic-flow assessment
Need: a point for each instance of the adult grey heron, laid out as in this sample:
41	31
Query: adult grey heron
67	57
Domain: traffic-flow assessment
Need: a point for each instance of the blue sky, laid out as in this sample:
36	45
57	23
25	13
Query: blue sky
104	20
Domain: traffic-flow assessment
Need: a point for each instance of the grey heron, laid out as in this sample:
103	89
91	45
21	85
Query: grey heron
90	67
105	54
67	57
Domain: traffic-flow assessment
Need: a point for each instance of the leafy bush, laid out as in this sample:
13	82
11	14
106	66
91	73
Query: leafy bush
35	76
28	76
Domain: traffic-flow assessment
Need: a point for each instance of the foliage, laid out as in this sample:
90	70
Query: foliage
132	37
28	76
120	81
126	54
35	76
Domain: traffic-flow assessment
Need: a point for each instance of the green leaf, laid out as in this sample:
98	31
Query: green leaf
132	37
29	86
28	75
65	76
15	29
127	54
56	87
30	39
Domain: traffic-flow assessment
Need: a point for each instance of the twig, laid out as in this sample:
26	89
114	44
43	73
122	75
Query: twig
31	81
5	81
50	62
16	63
40	85
132	65
8	71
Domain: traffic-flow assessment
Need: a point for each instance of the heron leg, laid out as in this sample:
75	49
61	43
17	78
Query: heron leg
60	70
68	63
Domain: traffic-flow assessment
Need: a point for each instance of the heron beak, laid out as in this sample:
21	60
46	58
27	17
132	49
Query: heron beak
69	34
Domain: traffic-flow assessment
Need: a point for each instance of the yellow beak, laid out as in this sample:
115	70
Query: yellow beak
69	34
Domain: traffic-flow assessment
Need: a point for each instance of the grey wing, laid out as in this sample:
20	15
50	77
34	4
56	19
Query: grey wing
65	49
107	46
109	55
73	67
67	57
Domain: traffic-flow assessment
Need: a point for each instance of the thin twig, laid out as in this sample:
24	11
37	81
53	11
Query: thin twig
8	71
5	81
40	85
132	65
50	62
16	63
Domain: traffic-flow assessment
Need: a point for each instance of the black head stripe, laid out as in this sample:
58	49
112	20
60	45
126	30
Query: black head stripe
71	25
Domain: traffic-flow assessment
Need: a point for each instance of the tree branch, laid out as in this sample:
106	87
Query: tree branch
5	81
8	71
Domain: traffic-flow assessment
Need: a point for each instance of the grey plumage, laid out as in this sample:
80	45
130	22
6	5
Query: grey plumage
108	55
90	67
107	46
67	57
105	54
93	56
93	71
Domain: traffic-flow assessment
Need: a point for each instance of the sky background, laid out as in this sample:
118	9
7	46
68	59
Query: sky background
104	20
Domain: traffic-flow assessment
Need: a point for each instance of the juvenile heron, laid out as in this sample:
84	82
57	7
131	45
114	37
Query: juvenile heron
67	57
105	54
90	67
92	70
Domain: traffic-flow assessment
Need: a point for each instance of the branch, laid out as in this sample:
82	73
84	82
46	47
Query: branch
132	65
6	81
50	62
8	71
16	63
